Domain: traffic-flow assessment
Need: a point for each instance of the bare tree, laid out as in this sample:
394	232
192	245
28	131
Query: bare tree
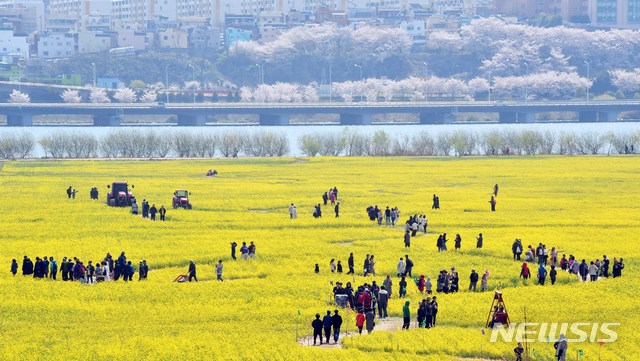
310	144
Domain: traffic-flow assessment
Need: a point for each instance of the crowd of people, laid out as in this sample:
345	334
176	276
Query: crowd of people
76	270
591	271
149	211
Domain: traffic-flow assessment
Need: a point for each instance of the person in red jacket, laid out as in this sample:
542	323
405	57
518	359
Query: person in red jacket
360	321
421	284
525	272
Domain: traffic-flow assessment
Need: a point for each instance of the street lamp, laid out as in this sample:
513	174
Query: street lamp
193	77
93	65
588	77
426	76
166	82
259	74
526	84
360	67
330	84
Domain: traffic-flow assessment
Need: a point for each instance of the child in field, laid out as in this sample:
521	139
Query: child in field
14	267
484	283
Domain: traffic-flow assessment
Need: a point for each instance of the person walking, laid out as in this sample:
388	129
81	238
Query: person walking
525	273
458	242
145	208
473	280
337	209
14	267
163	212
484	282
336	323
561	347
492	201
479	241
408	265
69	190
542	275
326	324
53	268
516	248
152	212
406	316
360	321
219	270
252	250
134	207
370	318
192	271
244	251
233	250
351	264
401	267
552	275
407	239
495	190
383	302
317	329
519	350
292	208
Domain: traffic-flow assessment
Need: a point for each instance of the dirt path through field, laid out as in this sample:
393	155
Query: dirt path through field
382	324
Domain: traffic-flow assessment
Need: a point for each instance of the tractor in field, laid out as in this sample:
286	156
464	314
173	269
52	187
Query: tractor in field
181	199
119	195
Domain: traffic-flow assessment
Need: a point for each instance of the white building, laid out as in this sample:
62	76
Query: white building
56	45
93	42
14	44
32	9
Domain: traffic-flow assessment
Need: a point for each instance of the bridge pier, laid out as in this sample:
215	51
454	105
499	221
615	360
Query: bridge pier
355	119
274	119
106	120
513	117
188	120
607	116
436	118
14	120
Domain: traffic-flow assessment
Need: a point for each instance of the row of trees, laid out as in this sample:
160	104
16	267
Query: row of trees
124	143
467	143
545	85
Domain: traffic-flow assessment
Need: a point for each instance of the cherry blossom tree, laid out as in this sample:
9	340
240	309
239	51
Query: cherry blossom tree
19	97
125	95
99	95
71	96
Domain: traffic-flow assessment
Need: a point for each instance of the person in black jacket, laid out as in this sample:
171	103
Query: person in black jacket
336	322
473	278
351	264
326	324
317	329
408	266
145	208
27	266
14	267
152	212
192	272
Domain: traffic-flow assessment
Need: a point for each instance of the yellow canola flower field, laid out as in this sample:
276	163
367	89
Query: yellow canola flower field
586	206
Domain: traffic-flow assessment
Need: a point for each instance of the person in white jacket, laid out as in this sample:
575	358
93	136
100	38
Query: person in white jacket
401	267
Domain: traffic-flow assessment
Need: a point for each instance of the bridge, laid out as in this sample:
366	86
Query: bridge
199	114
